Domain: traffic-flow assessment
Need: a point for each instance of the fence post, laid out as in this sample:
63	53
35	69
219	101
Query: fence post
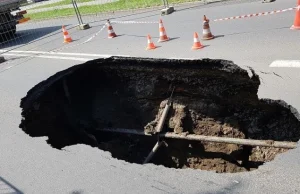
81	26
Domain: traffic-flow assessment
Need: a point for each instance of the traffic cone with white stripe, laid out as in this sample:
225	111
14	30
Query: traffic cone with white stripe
150	45
207	35
296	25
197	44
162	32
67	37
110	30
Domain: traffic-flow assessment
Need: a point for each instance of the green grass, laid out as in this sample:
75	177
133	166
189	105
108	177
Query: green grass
114	6
64	2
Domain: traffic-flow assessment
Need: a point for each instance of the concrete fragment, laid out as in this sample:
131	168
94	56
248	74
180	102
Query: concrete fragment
2	59
167	10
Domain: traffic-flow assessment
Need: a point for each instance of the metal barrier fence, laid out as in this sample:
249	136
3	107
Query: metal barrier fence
28	23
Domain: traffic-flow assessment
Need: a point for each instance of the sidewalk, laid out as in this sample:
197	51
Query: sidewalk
95	2
39	4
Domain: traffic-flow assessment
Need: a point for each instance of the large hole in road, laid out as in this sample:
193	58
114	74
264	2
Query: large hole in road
211	98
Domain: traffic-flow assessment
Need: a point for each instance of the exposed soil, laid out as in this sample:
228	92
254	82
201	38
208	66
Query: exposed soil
211	97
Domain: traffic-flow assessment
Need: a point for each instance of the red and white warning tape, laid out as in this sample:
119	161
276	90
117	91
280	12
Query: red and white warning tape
134	22
79	44
96	34
154	22
256	14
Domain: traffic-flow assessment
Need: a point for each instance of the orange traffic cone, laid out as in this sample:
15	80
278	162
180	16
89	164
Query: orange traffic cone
206	29
150	43
110	30
296	25
197	44
67	37
162	32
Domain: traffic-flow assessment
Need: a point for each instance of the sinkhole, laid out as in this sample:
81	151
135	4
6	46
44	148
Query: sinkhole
213	98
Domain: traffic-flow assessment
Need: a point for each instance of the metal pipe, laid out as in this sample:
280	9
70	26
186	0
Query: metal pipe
81	22
163	118
153	151
164	3
78	15
167	3
248	142
76	11
164	115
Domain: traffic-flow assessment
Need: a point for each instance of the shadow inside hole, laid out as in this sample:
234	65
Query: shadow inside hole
175	154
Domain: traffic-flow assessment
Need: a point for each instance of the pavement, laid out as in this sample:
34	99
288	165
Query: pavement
37	4
32	166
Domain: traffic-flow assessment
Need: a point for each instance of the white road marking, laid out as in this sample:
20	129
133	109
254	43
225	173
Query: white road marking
286	63
49	57
59	53
56	55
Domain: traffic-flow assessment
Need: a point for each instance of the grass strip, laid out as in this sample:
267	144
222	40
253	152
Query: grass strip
60	3
101	8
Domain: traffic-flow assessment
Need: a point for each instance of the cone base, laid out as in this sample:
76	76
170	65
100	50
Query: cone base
197	47
208	38
163	40
112	36
295	27
68	41
150	48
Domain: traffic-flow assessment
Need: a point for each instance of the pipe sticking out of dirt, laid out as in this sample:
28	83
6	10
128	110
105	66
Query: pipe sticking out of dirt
228	140
214	122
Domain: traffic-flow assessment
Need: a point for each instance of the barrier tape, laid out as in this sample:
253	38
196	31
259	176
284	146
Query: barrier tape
256	14
88	40
154	22
103	27
91	38
134	22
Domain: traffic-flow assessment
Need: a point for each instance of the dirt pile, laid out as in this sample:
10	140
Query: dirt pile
211	97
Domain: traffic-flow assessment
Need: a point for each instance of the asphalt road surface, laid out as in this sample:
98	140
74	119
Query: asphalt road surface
30	165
